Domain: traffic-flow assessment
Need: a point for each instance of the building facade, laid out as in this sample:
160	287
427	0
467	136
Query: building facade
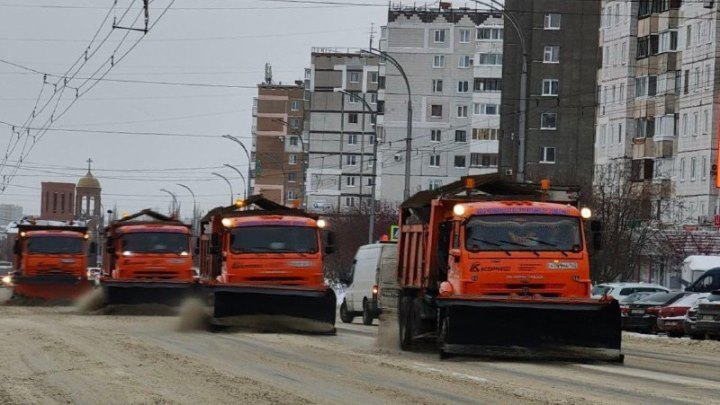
657	108
452	59
278	143
560	40
57	201
340	130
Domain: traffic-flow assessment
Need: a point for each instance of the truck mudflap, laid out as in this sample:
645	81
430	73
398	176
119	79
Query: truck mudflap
51	288
298	309
136	292
572	329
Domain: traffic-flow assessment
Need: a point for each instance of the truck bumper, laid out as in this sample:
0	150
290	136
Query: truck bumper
131	292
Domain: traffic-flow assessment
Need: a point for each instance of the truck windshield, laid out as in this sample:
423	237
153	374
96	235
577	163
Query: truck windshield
523	233
155	242
55	244
274	239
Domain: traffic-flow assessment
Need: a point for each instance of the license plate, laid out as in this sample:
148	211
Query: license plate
670	323
637	311
707	318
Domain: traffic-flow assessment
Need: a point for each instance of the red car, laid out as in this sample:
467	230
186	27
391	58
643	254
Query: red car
671	318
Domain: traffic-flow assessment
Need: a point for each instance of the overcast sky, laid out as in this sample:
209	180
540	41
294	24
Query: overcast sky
224	42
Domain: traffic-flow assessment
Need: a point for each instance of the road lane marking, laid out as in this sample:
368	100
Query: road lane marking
462	376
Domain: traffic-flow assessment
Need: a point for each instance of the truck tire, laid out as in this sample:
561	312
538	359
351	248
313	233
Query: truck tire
367	316
345	315
405	322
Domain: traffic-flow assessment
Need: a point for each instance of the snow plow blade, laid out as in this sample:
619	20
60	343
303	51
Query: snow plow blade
560	329
49	288
294	308
146	292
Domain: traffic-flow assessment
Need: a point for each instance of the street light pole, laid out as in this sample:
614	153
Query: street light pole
194	223
373	204
232	200
174	201
247	153
408	138
522	116
241	176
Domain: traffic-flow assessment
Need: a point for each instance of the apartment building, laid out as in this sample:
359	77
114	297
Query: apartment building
452	60
656	105
340	130
278	142
556	142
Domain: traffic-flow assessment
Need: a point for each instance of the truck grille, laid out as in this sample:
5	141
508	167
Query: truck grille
163	275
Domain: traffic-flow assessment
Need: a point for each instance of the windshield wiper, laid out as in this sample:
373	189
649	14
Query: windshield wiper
542	242
519	244
487	242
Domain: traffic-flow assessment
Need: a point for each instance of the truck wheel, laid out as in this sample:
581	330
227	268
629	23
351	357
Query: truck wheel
367	316
405	323
345	315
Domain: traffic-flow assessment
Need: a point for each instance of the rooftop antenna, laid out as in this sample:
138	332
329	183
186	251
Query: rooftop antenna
372	34
268	74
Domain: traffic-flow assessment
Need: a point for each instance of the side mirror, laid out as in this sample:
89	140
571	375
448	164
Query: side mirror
596	234
93	248
329	242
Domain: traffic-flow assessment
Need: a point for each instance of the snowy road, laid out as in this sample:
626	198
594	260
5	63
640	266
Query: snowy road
51	355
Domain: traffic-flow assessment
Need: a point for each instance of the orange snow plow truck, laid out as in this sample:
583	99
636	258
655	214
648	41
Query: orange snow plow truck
496	268
259	259
147	260
50	261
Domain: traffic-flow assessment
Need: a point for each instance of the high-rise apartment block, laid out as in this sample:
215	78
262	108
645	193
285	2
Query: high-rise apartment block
559	39
657	113
452	59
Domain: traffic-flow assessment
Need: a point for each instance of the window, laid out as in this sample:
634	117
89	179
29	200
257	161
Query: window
622	92
294	141
695	123
682	169
354	77
434	160
294	123
353	118
644	127
552	21
647	45
292	195
686	86
551	54
487	84
373	77
435	135
665	126
688	36
350	181
437	86
706	123
620	134
436	111
459	161
550	87
291	177
490	33
645	86
462	111
484	134
465	61
685	124
354	98
548	121
708	76
439	36
547	154
349	201
692	168
292	159
697	78
668	41
703	168
373	98
434	184
490	59
352	139
623	53
460	135
294	105
464	36
439	61
351	160
483	160
485	109
463	86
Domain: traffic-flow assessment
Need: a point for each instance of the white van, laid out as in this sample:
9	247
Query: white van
362	281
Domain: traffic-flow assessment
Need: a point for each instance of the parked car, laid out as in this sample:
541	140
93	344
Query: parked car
622	290
642	315
630	299
671	319
5	270
93	273
361	295
690	321
708	316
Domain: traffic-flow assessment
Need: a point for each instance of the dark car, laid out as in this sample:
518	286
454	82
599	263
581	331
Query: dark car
708	316
671	318
632	298
642	315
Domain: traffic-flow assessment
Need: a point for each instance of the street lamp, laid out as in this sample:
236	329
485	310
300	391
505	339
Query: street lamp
522	116
408	138
247	153
194	223
232	201
241	176
373	204
174	201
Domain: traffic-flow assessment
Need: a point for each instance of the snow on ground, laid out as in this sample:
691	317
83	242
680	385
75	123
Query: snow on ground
641	340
